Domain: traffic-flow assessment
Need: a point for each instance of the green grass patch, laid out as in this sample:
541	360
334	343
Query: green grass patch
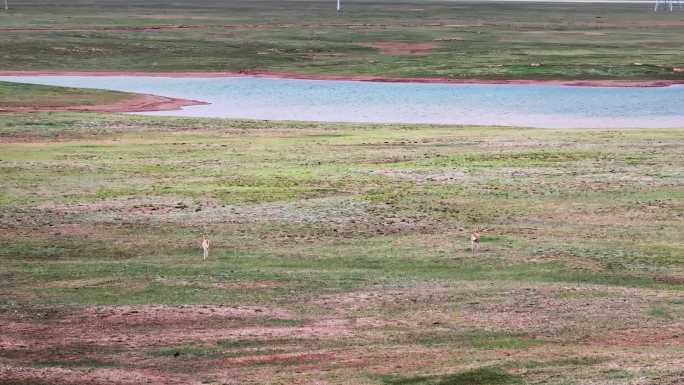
186	351
15	95
481	376
468	339
659	312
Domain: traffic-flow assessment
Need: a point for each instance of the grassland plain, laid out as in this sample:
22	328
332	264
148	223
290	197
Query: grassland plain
340	253
453	40
18	95
21	97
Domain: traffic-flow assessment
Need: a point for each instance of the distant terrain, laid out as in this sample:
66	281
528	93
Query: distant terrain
396	39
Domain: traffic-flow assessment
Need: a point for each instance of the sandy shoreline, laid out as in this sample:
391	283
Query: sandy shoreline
138	103
362	78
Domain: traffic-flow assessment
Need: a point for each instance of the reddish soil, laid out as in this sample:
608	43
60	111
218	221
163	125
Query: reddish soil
254	343
138	103
124	333
670	335
362	78
274	358
103	376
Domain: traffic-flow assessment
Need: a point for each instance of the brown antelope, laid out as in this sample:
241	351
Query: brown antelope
475	239
205	246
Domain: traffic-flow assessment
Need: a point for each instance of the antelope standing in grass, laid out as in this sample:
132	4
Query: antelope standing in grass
475	239
205	246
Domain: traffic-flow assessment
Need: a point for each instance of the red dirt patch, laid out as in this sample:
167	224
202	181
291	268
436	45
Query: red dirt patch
158	314
279	358
152	209
62	376
542	310
671	335
66	229
155	325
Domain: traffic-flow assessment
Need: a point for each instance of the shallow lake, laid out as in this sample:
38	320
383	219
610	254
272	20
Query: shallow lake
550	106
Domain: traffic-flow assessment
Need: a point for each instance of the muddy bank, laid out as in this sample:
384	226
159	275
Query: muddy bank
362	78
137	103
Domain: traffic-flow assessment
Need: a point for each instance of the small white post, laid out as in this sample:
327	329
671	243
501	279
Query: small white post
6	6
339	6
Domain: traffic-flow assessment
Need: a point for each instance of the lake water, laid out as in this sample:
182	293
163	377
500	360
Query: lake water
549	106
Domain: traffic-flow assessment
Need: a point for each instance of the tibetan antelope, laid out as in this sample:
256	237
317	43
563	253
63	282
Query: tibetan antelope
475	239
205	246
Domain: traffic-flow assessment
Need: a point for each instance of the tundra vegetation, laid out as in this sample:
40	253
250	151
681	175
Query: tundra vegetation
34	96
340	252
